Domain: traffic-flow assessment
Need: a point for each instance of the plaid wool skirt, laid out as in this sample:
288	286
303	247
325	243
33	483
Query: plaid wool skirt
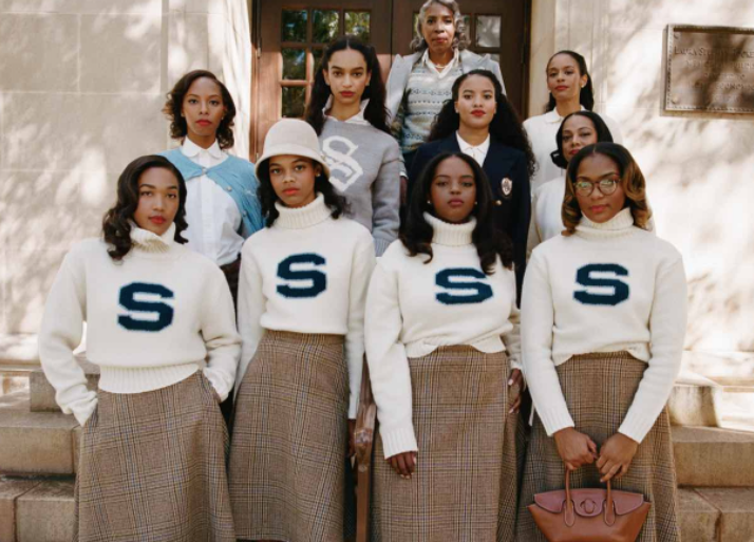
465	485
599	389
152	468
288	475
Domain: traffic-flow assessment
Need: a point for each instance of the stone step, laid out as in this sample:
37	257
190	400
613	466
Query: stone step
18	351
695	401
35	442
33	510
36	510
713	457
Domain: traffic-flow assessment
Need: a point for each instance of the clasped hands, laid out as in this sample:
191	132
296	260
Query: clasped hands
613	460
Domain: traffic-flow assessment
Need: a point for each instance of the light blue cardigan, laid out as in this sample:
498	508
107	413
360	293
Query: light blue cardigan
234	175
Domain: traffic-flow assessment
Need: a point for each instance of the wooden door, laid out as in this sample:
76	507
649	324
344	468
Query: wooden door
290	38
496	27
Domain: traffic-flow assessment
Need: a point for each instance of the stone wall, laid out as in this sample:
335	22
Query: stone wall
82	83
699	168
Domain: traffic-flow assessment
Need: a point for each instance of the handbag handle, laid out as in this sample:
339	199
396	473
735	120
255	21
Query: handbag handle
570	514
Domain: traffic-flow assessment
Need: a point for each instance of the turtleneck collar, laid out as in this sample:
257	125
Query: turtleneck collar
303	217
621	224
151	242
454	235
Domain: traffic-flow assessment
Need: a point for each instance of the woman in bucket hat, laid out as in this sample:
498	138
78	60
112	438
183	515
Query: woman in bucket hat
301	315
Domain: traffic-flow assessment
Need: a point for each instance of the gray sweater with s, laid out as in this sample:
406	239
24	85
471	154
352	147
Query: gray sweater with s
365	165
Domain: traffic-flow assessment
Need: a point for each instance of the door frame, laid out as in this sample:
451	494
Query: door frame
255	13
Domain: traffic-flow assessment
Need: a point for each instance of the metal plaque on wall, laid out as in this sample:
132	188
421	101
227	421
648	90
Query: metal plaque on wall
710	69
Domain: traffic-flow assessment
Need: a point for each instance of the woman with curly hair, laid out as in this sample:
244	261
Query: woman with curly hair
603	324
443	351
578	130
480	122
301	315
571	90
420	83
222	208
347	111
153	447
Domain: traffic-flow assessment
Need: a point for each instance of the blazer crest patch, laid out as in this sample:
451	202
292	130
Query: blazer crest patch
506	186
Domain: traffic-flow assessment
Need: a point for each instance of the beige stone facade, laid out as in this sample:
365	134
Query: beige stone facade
82	83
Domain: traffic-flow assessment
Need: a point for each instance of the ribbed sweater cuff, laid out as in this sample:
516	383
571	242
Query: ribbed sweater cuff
141	379
636	426
380	246
399	440
82	415
555	419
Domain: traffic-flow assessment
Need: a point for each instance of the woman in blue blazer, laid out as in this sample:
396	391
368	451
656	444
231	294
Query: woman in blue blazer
479	121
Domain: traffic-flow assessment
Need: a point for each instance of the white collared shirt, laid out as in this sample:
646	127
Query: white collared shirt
213	216
358	118
448	68
542	131
478	153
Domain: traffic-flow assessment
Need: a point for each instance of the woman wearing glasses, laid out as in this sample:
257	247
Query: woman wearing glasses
603	323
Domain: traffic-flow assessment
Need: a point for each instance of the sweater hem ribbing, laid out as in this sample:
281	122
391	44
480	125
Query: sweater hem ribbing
143	379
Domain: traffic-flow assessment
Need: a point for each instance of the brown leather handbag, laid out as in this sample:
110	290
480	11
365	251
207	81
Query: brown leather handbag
589	515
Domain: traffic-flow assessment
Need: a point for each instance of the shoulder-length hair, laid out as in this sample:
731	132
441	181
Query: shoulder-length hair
375	112
603	135
489	241
116	224
268	197
173	108
631	180
460	39
586	96
506	126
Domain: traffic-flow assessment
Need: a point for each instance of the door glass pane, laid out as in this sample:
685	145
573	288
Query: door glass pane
294	64
317	54
358	24
325	25
488	30
293	102
294	25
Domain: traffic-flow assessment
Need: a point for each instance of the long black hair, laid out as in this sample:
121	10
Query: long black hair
375	112
506	126
173	108
268	197
489	241
116	224
603	135
586	96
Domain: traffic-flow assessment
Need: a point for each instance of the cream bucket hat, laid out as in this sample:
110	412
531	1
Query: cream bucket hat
292	137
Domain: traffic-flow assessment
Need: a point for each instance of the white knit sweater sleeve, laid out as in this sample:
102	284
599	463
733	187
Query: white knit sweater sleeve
251	307
61	332
388	364
512	339
219	332
361	272
667	325
537	319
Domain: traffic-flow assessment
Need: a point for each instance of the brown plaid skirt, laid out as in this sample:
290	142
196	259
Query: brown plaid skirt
290	437
152	467
599	389
464	487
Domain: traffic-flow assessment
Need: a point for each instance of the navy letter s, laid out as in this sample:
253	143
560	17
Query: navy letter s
317	279
620	289
163	311
444	279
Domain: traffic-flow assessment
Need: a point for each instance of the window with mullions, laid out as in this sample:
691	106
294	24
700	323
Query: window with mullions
305	34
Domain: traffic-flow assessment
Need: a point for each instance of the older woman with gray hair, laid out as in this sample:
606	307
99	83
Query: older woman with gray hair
420	83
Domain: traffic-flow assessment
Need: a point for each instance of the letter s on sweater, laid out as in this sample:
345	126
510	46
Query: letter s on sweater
445	279
163	312
316	280
588	276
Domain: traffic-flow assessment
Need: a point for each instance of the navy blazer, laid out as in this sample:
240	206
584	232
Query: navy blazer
512	211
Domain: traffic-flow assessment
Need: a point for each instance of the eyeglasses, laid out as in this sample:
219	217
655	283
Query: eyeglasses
606	186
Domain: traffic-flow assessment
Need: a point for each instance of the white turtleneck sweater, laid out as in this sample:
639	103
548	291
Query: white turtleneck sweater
609	287
307	273
414	308
152	320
